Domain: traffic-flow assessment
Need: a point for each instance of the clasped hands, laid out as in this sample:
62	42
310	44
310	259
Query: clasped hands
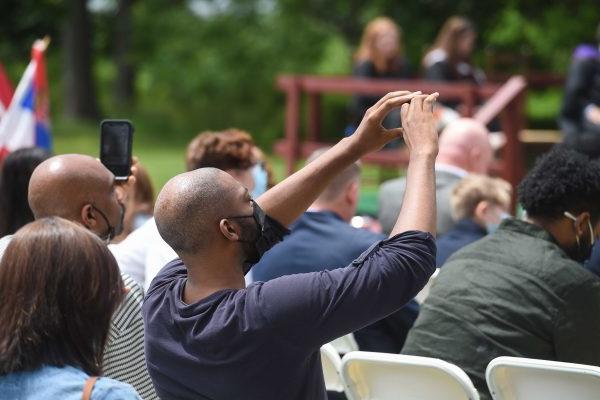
418	124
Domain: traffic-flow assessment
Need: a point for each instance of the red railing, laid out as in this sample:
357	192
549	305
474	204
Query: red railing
503	101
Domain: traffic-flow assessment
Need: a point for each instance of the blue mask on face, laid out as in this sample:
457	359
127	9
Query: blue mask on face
491	227
260	176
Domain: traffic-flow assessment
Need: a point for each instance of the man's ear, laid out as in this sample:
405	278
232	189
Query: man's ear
352	192
582	223
481	210
229	230
88	217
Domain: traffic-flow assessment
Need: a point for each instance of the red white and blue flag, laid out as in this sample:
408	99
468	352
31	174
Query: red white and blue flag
6	91
26	122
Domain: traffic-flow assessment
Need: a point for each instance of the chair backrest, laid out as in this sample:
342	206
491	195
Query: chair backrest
393	376
332	365
514	378
422	295
345	344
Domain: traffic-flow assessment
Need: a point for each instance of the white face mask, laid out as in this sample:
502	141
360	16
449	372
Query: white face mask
572	217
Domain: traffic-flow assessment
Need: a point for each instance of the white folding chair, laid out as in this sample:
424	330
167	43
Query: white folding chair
345	344
422	295
514	378
332	365
381	376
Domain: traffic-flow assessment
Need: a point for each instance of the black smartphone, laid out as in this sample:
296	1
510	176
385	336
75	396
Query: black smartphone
116	137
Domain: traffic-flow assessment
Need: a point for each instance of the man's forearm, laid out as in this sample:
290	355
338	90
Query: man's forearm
288	200
418	207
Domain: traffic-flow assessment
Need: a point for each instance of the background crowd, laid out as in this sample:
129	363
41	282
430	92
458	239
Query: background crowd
79	249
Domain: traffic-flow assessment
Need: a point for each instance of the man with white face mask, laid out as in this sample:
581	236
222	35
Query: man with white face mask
522	290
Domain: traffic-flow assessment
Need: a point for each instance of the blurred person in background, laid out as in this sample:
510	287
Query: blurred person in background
59	287
464	148
81	189
379	56
580	112
449	59
478	204
14	183
143	253
323	239
522	291
140	203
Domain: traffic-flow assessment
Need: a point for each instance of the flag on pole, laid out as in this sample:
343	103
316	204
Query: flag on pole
6	91
26	121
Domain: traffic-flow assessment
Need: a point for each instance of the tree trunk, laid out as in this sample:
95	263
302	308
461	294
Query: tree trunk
79	94
124	91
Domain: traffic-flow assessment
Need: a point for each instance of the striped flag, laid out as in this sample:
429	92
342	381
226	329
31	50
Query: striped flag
6	91
26	121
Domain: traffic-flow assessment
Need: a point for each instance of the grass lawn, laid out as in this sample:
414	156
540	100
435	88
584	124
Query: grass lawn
164	160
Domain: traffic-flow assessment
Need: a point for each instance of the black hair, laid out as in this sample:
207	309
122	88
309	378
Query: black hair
562	180
14	182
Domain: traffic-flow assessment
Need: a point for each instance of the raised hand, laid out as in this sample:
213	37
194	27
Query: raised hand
419	127
370	134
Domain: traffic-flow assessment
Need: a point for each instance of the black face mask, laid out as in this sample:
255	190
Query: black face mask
111	231
582	250
253	238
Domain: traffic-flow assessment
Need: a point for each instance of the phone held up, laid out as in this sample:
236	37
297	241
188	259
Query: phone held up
116	137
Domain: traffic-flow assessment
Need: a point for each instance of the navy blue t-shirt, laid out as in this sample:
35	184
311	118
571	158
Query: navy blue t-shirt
262	342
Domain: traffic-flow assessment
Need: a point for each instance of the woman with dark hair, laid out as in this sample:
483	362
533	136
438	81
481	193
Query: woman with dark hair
449	59
14	181
59	286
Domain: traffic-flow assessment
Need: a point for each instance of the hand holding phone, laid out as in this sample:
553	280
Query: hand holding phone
116	139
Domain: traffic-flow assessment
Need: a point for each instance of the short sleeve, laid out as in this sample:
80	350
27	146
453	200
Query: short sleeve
110	389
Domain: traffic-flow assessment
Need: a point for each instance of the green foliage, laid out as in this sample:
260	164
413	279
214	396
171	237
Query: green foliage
547	38
211	70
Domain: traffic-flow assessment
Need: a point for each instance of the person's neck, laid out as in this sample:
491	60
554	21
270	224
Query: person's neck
551	227
341	211
208	274
451	160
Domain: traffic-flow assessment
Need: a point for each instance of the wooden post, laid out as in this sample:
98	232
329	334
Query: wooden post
512	120
292	124
470	102
314	116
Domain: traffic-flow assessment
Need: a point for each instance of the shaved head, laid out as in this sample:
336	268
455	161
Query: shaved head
62	185
190	205
465	143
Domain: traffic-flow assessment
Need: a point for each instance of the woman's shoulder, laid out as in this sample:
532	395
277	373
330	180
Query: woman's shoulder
51	382
109	389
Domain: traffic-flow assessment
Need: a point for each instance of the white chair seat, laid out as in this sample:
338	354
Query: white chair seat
514	378
369	376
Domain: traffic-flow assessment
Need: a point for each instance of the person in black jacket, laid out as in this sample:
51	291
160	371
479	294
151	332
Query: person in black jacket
379	56
580	113
449	59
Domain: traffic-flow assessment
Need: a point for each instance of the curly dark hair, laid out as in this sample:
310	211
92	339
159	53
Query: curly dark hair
562	180
228	149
